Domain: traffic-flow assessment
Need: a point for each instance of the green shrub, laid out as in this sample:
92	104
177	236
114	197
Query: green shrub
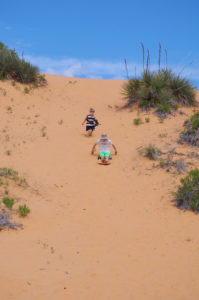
137	121
26	90
187	196
23	210
147	120
11	66
9	202
191	133
162	89
163	107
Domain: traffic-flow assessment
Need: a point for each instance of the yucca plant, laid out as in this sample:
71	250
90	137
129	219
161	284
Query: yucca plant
159	88
130	90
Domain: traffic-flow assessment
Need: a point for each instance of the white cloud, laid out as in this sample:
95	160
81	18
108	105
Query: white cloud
98	69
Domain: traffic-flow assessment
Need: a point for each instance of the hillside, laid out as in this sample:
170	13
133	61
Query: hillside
94	232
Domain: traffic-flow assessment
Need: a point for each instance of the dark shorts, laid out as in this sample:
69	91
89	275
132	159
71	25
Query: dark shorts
90	128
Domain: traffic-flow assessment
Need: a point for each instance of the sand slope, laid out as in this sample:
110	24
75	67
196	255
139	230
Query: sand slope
94	232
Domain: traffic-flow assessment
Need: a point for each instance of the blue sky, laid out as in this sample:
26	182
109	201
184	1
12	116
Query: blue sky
91	38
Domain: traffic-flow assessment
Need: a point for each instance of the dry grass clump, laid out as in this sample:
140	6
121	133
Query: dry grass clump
151	151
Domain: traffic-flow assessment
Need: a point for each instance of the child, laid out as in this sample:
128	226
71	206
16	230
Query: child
104	149
91	122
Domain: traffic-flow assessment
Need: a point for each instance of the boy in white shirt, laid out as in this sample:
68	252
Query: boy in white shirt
104	148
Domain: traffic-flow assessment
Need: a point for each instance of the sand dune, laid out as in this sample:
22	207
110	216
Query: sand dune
94	232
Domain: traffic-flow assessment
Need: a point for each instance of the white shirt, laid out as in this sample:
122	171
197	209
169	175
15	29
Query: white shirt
104	145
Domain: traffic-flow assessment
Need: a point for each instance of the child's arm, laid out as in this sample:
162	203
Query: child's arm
93	149
114	149
84	121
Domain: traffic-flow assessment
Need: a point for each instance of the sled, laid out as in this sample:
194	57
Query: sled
105	163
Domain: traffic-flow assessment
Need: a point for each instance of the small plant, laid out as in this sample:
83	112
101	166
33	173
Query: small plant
9	202
43	132
187	196
8	152
147	120
60	122
13	83
26	90
23	210
161	120
137	121
151	152
9	108
7	138
6	192
163	135
3	91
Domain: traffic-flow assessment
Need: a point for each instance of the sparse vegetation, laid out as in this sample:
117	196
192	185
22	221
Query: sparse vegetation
179	164
163	135
13	175
43	131
147	120
187	195
191	133
137	121
9	202
23	210
11	66
8	152
26	90
3	91
151	151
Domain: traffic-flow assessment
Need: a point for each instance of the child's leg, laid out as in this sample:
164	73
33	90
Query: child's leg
90	132
107	156
101	155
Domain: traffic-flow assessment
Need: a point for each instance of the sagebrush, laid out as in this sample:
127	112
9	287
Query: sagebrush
187	195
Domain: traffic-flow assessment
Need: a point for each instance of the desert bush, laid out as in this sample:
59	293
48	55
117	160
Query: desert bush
5	221
23	210
191	133
9	202
151	151
161	89
147	120
137	121
187	195
11	66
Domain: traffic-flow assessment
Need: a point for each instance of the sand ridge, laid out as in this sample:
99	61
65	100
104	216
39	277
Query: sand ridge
94	232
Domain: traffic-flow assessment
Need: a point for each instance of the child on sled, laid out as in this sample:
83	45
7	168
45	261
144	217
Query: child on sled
104	148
